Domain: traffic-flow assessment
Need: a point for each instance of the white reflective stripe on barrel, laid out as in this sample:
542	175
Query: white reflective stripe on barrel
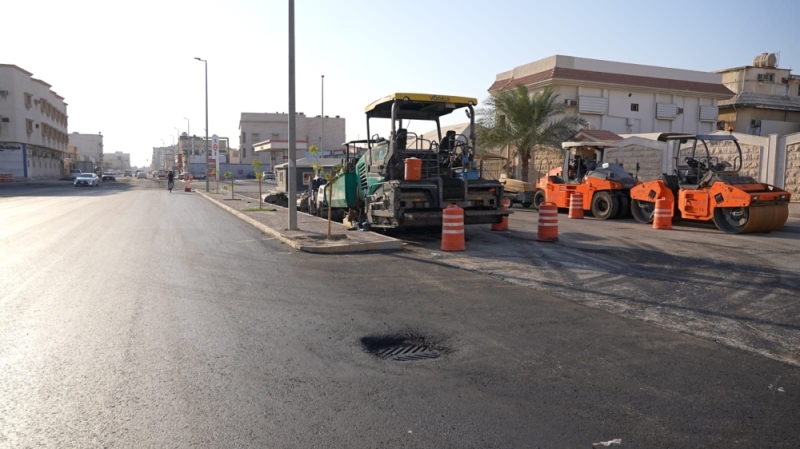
453	224
461	231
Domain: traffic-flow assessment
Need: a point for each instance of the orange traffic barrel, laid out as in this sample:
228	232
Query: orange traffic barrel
187	187
413	169
662	217
576	205
453	228
548	223
503	225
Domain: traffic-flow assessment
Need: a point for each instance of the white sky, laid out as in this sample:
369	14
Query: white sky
127	70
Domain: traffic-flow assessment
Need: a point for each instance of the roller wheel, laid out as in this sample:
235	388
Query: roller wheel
624	206
538	199
604	205
740	220
643	211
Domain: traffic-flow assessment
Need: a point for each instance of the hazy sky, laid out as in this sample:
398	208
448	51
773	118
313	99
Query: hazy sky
127	70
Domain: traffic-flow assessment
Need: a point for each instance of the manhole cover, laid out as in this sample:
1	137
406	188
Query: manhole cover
405	353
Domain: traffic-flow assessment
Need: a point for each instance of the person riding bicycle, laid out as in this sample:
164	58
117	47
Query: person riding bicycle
170	180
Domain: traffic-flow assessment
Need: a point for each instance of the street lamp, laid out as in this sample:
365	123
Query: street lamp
292	169
206	64
189	134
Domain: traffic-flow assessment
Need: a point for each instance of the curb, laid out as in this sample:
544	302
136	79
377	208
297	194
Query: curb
302	246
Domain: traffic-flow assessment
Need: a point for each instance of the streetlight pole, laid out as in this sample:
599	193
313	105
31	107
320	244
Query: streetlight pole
322	116
206	64
178	134
189	134
292	169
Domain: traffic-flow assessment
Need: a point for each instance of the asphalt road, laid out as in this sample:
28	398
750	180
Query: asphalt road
132	317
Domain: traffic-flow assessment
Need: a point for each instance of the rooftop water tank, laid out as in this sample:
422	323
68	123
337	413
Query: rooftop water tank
766	60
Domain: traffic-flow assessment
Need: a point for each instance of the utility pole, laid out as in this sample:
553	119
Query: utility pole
206	64
322	134
292	169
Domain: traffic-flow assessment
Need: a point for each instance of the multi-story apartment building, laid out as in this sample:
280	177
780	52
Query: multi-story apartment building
117	160
163	157
767	98
33	126
625	98
266	136
191	155
90	146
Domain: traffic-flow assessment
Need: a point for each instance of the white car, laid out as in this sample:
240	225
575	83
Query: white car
141	175
87	179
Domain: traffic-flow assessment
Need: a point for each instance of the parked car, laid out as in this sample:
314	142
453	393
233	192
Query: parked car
141	175
202	175
109	176
87	179
185	175
251	175
128	173
269	175
74	174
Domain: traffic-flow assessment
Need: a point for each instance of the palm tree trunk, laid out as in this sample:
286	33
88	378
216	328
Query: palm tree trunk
526	158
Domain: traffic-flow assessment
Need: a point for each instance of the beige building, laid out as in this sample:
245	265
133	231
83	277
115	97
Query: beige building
33	126
266	136
625	98
767	99
89	146
117	160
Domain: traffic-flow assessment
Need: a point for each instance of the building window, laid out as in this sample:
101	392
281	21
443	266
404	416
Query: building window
28	100
244	137
276	136
635	107
244	153
256	137
29	126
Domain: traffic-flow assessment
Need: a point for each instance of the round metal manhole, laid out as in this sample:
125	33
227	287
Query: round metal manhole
400	348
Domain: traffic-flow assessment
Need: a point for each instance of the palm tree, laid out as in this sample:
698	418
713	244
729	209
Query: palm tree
525	123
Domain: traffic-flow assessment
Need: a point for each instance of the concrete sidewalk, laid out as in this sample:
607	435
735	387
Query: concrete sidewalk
312	233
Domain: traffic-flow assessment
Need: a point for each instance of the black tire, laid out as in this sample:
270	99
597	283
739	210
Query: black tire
527	204
624	206
643	211
539	197
605	205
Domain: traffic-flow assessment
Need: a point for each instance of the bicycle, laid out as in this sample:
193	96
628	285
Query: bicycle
170	185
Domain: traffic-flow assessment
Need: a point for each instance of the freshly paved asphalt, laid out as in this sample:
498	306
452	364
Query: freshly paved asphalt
132	317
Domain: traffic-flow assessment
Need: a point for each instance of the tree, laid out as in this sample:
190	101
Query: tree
229	175
329	177
525	123
259	175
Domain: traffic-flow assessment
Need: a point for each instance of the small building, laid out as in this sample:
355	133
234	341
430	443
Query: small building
266	136
33	126
766	101
625	98
305	172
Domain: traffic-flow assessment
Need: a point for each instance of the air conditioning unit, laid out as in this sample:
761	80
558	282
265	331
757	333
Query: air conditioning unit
755	123
679	111
570	103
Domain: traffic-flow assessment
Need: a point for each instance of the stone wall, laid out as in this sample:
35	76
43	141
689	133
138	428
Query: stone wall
792	176
649	160
544	160
726	151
